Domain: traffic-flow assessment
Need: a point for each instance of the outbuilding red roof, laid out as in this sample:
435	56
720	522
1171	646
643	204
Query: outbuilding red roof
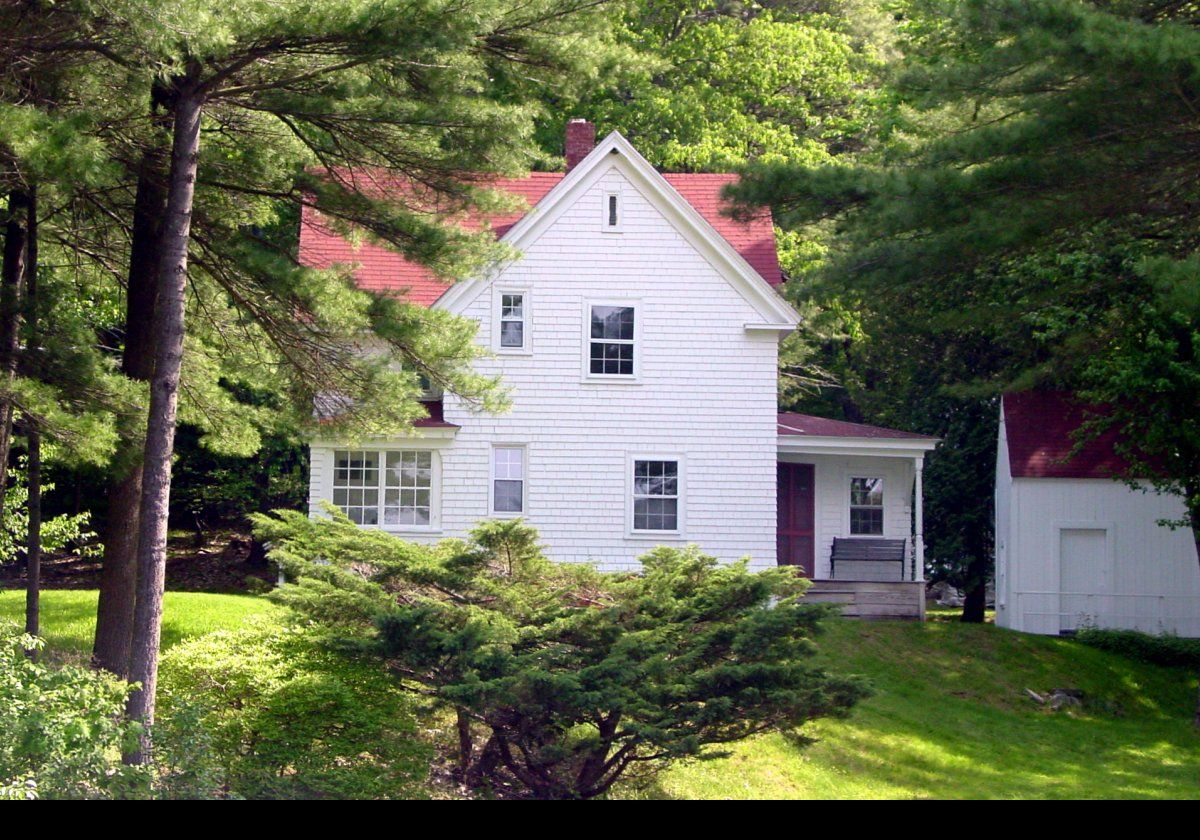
1039	427
382	270
791	423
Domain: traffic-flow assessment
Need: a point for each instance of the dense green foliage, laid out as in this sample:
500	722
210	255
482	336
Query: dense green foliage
1158	650
66	530
265	712
715	84
1029	222
563	679
61	732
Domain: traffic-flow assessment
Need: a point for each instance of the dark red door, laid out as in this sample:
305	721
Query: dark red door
794	532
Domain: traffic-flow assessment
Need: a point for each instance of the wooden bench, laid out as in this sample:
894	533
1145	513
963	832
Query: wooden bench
860	550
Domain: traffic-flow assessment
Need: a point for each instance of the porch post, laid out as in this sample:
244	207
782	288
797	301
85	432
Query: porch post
919	521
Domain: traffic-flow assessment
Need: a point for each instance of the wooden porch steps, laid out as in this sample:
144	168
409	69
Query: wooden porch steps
873	600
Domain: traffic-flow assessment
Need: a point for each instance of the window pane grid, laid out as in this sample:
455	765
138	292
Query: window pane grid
398	494
512	320
508	479
610	351
655	495
866	506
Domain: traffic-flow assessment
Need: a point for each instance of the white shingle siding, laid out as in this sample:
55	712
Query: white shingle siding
706	392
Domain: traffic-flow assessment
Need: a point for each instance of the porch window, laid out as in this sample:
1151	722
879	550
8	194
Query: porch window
611	340
388	488
655	495
866	507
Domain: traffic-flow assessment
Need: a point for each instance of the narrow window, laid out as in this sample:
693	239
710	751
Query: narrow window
866	506
508	479
613	218
512	321
611	343
656	495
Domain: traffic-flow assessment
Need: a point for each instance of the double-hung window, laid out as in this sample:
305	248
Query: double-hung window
390	488
656	495
612	341
512	321
866	507
508	479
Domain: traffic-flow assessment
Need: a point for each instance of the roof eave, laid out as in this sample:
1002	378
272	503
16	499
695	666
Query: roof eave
839	445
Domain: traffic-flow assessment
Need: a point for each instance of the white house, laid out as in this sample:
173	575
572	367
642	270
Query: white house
638	335
1076	547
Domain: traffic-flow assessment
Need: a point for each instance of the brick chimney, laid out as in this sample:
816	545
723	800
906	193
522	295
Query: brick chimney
580	140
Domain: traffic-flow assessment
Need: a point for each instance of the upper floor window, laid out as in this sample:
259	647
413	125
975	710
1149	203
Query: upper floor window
866	506
655	495
512	320
611	341
508	479
388	488
511	333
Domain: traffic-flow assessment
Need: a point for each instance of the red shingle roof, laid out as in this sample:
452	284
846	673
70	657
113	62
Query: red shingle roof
383	270
807	425
1038	427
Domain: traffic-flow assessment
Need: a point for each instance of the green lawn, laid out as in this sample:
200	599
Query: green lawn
69	616
949	719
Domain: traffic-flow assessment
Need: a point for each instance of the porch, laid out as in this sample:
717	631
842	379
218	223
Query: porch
849	502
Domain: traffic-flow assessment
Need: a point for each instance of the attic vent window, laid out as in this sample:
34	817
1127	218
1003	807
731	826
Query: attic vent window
612	212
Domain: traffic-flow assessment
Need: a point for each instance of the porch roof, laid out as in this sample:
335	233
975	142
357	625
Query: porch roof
804	433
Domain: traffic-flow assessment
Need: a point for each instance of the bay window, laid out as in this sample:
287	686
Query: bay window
388	488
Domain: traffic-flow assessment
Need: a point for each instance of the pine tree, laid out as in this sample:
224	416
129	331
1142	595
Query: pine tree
347	87
1042	194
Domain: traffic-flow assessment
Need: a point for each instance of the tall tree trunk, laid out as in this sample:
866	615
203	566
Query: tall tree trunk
160	425
1193	503
11	275
33	545
118	573
975	597
466	744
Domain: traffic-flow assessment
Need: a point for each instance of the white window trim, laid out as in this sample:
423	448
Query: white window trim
435	484
609	195
680	508
497	309
849	485
612	378
508	514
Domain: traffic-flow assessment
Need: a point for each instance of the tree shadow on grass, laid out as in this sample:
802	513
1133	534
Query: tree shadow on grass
949	719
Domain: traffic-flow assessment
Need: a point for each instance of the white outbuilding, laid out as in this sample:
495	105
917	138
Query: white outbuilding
1075	546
